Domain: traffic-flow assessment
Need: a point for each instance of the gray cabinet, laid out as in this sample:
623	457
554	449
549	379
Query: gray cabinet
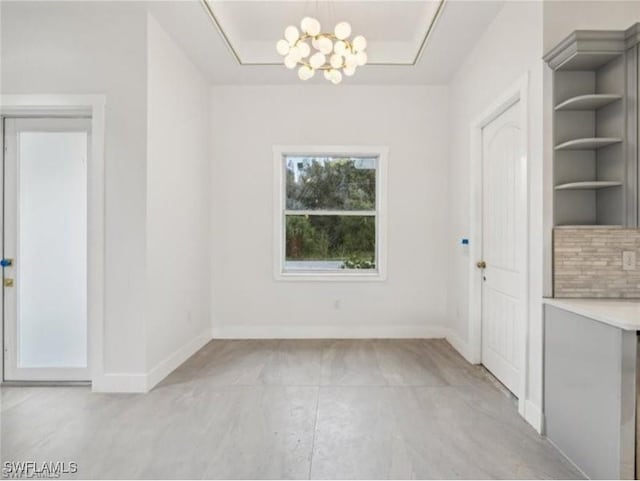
595	128
590	393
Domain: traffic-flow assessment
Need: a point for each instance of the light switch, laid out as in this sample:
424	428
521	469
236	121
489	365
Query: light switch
629	261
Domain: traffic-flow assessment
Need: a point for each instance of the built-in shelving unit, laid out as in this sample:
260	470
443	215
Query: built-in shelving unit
588	185
588	144
595	128
588	102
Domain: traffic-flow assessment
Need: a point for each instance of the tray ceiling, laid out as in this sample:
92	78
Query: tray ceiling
397	31
454	35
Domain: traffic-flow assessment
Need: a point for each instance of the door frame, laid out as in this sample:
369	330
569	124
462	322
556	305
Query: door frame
518	92
70	106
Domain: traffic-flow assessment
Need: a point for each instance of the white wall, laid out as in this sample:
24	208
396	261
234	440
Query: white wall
509	49
561	17
247	122
89	48
157	169
177	261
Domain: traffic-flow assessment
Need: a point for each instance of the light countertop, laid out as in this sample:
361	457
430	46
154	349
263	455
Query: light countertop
620	313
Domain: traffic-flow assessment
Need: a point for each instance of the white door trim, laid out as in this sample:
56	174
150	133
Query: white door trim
518	92
93	106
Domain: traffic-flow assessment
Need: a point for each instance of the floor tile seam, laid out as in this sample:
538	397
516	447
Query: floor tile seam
315	429
247	386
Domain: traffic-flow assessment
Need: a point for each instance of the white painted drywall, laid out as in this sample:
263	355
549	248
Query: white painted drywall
156	159
509	49
177	261
247	121
561	17
90	48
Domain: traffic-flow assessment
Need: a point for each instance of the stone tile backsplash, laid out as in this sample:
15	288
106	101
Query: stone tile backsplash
587	262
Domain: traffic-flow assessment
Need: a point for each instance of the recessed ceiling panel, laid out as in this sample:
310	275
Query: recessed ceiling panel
396	31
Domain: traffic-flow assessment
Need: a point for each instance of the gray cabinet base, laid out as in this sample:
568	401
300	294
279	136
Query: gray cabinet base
590	393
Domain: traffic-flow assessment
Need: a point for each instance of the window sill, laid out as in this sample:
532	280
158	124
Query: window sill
330	276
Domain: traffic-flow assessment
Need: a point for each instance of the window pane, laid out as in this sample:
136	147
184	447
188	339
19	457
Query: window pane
330	242
331	183
52	281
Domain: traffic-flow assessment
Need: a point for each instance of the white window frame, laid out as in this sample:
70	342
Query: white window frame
279	154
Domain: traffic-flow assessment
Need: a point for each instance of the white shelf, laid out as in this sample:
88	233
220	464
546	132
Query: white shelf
588	226
588	60
588	102
588	143
588	185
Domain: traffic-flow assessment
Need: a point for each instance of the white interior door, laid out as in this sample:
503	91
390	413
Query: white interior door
504	216
45	249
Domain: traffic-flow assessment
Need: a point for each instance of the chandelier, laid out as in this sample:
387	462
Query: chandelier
310	50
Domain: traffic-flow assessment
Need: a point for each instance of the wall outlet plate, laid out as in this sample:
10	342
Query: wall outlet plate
628	260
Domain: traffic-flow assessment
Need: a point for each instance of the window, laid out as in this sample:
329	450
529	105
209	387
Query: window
329	213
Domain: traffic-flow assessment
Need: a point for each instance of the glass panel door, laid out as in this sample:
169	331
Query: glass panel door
45	249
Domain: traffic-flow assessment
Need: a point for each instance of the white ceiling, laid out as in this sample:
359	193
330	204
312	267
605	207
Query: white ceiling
384	23
395	29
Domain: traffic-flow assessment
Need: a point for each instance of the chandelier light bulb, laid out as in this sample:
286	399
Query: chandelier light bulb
339	47
359	43
336	77
291	34
325	45
349	71
305	72
290	62
304	49
342	30
310	26
309	49
350	60
283	47
361	58
336	61
317	60
295	53
304	24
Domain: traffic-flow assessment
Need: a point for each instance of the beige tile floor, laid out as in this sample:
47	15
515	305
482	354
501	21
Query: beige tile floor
289	409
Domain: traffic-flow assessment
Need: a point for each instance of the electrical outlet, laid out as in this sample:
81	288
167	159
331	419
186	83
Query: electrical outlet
629	261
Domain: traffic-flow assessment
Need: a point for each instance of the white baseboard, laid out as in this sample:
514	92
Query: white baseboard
578	468
120	382
144	382
328	332
459	345
166	366
533	415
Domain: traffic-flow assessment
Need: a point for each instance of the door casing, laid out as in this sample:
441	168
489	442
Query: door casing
518	92
92	106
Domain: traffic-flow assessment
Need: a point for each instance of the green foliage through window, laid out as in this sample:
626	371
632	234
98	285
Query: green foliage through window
331	240
315	183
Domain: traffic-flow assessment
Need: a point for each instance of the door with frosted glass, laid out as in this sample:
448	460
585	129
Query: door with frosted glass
44	251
